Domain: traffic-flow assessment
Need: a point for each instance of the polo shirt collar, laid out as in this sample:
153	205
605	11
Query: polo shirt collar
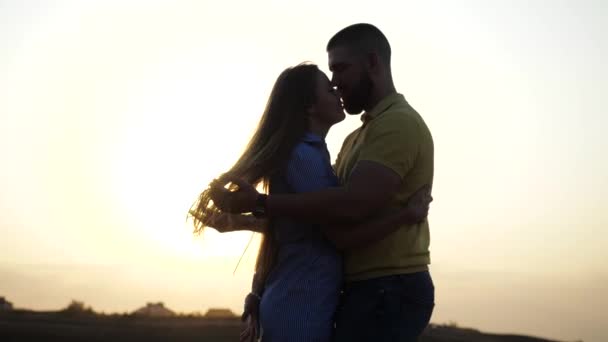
382	106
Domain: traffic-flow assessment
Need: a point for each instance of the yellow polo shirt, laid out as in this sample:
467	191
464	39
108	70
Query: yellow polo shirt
393	134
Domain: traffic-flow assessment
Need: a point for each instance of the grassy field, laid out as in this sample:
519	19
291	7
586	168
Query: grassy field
37	326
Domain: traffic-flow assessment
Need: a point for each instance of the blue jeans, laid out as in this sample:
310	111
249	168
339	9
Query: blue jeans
393	308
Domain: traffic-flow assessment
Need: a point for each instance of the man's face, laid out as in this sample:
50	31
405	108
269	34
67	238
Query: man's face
350	76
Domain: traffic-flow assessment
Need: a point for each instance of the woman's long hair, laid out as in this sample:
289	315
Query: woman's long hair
282	125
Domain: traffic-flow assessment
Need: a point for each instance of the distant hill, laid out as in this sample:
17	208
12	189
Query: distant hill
441	333
29	326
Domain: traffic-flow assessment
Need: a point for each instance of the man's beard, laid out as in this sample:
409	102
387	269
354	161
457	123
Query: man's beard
359	97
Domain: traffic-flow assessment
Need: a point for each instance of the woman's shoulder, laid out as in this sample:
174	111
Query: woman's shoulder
305	150
309	168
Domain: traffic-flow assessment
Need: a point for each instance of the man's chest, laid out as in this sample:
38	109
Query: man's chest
349	155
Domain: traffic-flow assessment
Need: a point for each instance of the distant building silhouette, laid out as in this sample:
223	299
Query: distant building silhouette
219	313
5	305
154	310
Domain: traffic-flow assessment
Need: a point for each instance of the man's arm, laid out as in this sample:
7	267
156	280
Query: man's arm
388	154
385	158
370	188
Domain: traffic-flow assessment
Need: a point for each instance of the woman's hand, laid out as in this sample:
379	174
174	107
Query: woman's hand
417	207
251	316
242	200
222	222
226	222
250	334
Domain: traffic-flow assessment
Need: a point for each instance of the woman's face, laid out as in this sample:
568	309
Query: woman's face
328	108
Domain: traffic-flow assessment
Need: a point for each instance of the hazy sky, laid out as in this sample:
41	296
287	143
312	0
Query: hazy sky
115	114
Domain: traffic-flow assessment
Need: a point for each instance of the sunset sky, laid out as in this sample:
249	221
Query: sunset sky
115	114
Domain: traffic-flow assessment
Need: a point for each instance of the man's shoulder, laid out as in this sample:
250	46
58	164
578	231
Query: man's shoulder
401	110
400	116
396	118
352	134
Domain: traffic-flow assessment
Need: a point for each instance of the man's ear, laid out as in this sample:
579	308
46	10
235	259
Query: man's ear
373	60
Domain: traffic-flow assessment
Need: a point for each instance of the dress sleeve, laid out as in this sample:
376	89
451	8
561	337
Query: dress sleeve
307	169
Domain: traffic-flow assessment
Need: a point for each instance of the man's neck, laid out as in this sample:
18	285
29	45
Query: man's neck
378	94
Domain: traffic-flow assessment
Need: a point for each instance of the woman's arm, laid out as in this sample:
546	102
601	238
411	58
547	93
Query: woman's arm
350	236
346	237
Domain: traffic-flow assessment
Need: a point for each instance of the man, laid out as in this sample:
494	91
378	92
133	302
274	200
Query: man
389	294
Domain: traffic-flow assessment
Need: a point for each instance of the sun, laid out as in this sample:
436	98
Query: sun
156	190
180	126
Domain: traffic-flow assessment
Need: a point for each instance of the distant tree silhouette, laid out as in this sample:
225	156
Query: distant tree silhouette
78	308
154	310
5	305
219	313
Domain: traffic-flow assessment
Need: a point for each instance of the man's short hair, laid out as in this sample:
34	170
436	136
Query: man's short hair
362	38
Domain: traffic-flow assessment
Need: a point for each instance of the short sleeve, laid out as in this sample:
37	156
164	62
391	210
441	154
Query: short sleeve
393	141
307	169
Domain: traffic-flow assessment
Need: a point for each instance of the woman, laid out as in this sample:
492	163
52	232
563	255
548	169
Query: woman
298	263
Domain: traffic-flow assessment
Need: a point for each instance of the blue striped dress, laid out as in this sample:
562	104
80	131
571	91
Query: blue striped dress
301	293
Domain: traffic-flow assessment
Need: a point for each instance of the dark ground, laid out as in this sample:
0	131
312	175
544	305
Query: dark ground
21	326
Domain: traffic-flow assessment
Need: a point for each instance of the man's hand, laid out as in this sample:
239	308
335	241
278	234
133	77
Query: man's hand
239	198
418	204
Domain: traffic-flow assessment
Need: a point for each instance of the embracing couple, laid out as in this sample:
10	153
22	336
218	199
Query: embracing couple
345	249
